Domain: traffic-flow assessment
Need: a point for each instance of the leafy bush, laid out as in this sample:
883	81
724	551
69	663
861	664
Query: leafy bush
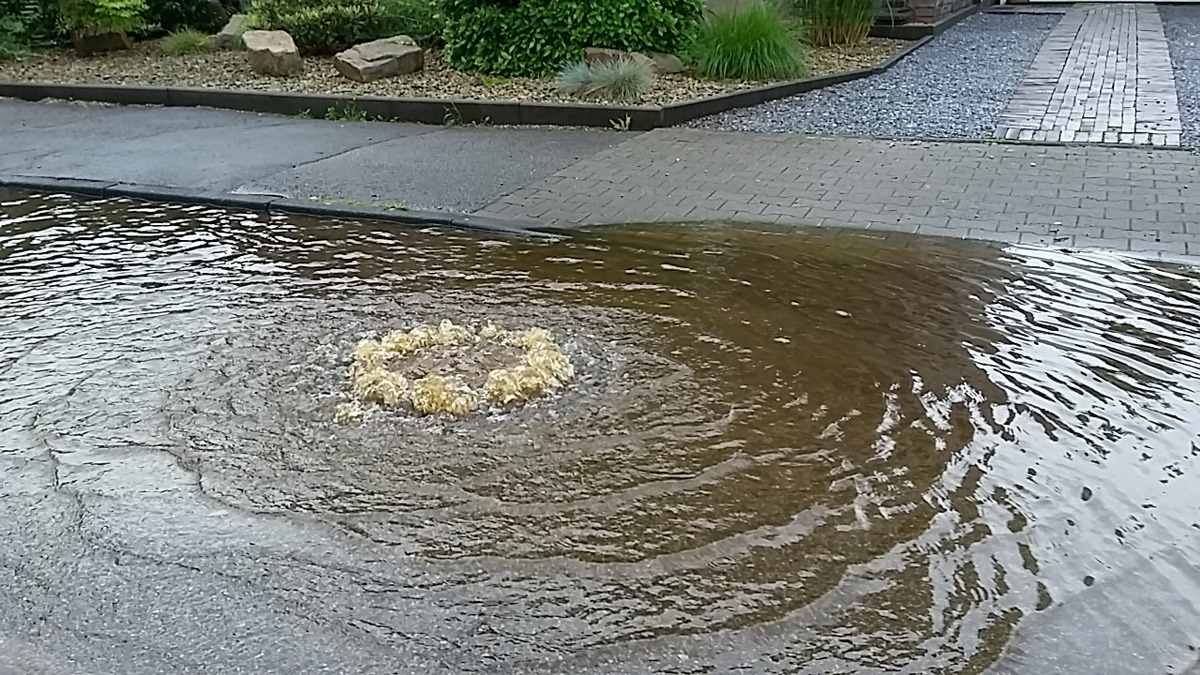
837	22
753	42
29	23
103	16
168	16
536	37
329	26
13	44
623	80
185	41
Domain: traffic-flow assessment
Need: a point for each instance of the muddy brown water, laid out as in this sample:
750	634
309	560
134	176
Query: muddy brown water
819	452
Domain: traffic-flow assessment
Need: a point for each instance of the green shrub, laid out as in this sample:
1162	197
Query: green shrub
103	16
30	23
753	42
623	80
329	26
837	22
185	41
536	37
13	44
168	16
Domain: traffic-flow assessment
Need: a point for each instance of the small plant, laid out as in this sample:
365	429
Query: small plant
305	114
346	112
622	80
621	124
753	42
186	41
492	81
837	22
453	116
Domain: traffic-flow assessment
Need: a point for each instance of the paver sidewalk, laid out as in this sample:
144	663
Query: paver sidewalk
1084	196
1104	75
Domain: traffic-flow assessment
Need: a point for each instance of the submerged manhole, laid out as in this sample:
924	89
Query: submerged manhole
452	370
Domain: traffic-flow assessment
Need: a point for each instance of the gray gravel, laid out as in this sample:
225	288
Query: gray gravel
1182	26
955	87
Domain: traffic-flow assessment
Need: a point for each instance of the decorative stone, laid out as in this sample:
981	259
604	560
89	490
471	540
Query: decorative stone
87	44
666	64
272	52
378	59
232	32
597	55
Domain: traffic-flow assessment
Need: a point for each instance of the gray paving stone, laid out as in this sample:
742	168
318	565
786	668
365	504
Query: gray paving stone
1104	75
1051	193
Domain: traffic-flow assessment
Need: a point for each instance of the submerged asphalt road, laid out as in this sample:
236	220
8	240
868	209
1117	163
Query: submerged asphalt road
422	166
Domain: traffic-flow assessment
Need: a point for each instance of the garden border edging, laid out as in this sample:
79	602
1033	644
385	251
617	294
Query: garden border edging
444	111
264	203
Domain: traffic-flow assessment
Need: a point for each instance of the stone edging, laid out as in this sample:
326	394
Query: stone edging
915	31
443	111
271	204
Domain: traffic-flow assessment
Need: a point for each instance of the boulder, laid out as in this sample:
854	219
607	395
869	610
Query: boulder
666	64
272	52
596	55
378	59
232	32
87	44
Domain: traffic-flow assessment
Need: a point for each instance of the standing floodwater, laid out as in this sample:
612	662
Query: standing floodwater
816	454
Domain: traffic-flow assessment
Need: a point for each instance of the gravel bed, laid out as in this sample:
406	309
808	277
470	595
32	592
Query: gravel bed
1181	23
954	87
146	64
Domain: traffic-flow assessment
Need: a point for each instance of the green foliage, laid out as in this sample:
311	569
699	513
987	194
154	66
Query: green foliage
329	26
103	16
536	37
753	42
168	16
623	80
13	44
29	23
185	41
837	22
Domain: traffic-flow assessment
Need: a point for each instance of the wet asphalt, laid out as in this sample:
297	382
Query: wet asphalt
421	166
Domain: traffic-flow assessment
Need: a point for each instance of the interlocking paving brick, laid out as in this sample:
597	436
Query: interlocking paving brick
1104	75
1051	193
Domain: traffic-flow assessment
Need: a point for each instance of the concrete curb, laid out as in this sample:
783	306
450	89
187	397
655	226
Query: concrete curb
436	111
273	204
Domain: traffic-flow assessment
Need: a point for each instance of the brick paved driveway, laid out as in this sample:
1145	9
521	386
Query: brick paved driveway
1128	199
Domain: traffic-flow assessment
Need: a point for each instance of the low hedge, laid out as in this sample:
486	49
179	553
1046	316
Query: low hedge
536	37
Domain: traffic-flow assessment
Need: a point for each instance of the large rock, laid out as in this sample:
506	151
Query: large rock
232	32
87	44
378	59
666	64
596	55
272	52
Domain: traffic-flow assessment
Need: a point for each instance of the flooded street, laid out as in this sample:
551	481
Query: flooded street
826	453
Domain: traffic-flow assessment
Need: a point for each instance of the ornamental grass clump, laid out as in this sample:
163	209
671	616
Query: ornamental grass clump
620	80
753	42
186	41
831	23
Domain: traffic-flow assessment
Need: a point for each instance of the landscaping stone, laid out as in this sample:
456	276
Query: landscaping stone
955	87
666	63
272	52
87	45
232	32
597	55
1182	26
378	59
